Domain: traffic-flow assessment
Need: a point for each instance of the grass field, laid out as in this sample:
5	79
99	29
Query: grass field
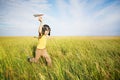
73	58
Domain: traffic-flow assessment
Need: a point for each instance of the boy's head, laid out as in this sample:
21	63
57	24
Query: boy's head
46	29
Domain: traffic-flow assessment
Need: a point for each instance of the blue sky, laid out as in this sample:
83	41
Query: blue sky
65	17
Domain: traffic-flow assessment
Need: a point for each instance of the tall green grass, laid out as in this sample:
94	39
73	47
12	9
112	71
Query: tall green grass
73	58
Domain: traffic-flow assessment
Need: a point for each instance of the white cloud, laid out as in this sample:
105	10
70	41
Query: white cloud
75	19
20	15
71	17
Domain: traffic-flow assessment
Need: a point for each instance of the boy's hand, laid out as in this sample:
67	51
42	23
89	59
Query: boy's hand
40	18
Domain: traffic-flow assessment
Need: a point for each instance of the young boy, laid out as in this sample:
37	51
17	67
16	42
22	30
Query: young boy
44	32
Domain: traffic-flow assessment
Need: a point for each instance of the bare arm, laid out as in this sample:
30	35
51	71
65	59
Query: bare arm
41	25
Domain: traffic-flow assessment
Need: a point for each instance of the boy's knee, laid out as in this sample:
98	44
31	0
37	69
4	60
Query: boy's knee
36	60
49	63
48	59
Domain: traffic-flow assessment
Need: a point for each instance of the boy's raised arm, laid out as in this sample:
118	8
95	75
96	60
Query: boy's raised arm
41	25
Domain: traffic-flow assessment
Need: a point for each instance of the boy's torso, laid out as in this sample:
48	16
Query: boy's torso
42	42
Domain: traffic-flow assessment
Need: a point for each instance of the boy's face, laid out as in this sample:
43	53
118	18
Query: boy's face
47	32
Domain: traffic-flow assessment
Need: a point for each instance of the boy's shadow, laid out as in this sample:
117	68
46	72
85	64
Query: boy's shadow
33	50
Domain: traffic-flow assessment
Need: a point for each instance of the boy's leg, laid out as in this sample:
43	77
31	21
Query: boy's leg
37	56
47	57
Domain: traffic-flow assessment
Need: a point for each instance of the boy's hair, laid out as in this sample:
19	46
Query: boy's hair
45	28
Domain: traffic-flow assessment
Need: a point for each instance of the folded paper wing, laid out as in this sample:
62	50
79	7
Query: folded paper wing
37	15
